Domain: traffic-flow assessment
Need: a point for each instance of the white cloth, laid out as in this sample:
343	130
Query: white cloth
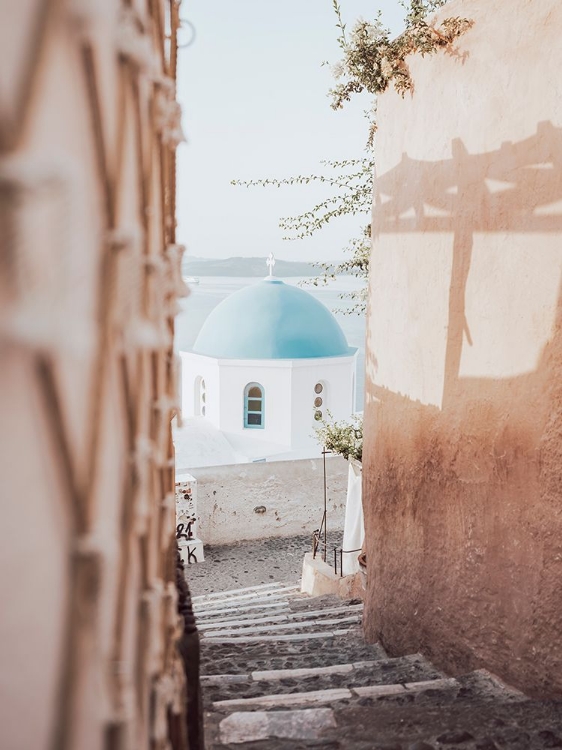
354	528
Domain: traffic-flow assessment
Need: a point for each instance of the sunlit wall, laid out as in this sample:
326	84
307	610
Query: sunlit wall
463	403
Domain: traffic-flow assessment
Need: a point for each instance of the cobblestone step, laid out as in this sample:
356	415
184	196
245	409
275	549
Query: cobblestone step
280	605
298	604
359	674
281	638
271	629
248	597
330	695
473	712
241	658
286	616
400	722
237	592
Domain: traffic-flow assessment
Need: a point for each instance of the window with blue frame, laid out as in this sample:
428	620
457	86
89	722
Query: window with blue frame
254	403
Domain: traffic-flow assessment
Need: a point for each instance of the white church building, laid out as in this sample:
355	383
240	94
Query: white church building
269	362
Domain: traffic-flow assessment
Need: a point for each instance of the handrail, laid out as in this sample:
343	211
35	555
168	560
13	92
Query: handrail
342	553
323	530
316	540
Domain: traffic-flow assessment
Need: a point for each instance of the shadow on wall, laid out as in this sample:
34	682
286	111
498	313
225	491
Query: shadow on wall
530	176
463	503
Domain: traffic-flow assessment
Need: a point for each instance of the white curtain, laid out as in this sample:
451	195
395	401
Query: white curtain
354	529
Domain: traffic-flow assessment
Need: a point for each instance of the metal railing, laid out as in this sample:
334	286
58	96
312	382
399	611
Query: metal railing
317	540
342	552
320	536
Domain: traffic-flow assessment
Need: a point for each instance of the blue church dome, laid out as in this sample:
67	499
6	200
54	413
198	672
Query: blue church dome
271	320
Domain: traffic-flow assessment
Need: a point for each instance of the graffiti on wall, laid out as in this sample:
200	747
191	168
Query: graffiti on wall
187	537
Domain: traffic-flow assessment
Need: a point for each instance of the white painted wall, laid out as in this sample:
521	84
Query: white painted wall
194	366
275	377
289	394
292	493
336	374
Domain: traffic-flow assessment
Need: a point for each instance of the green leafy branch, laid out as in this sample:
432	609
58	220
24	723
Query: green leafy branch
356	263
353	185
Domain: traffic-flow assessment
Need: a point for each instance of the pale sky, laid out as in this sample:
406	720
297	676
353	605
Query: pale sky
254	97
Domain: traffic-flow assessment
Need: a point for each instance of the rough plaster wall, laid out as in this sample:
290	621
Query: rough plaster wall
292	492
89	275
463	424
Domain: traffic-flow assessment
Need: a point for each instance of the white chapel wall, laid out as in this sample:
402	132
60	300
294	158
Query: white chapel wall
336	375
284	381
195	367
275	377
292	493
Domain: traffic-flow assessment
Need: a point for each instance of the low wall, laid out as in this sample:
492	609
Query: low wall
270	499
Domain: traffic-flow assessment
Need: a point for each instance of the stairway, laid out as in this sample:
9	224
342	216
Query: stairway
284	671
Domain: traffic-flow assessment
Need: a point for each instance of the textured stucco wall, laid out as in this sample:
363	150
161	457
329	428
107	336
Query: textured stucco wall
292	493
463	432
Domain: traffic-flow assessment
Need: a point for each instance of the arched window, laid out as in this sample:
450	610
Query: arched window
254	404
319	400
200	397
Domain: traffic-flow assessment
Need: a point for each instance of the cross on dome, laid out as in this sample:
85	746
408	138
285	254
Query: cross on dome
270	264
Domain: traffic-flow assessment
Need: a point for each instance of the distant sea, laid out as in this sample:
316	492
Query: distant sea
211	290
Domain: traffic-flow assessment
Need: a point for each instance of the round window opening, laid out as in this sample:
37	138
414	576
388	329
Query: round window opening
318	388
318	401
318	415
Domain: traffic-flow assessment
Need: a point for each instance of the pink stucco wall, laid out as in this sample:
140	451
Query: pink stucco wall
463	454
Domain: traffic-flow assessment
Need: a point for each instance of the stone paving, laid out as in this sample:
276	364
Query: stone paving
324	687
252	563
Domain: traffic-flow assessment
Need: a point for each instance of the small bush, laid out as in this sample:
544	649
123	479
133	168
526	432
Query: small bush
343	438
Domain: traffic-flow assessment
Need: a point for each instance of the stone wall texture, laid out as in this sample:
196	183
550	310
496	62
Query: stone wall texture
89	275
269	499
463	416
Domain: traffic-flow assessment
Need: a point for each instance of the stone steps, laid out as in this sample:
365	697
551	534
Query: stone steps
290	681
320	625
263	587
299	675
277	602
307	697
287	615
247	596
240	658
391	725
273	607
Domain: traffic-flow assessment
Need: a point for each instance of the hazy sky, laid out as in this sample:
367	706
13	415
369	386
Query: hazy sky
254	96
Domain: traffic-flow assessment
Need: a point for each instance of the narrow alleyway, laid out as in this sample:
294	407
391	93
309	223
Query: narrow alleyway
285	671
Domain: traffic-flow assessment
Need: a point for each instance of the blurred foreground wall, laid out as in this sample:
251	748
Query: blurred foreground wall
89	276
463	454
